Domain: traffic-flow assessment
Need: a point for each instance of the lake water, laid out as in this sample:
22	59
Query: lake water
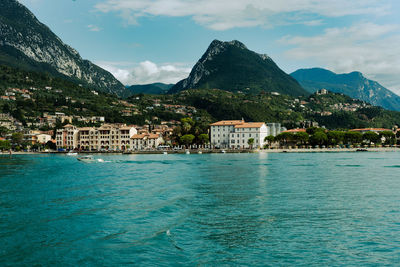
189	210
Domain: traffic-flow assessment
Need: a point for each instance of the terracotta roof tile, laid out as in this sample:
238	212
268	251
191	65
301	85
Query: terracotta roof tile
250	125
295	131
225	123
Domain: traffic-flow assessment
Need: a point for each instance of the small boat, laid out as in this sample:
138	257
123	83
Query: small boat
72	153
86	159
223	151
187	152
362	150
165	153
200	152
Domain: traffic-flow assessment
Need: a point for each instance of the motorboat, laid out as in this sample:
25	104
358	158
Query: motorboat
187	152
223	151
72	153
86	159
200	152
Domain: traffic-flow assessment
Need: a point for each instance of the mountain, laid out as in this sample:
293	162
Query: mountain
353	84
151	89
230	66
28	44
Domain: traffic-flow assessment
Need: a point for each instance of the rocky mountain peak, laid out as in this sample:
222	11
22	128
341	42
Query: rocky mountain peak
28	44
231	66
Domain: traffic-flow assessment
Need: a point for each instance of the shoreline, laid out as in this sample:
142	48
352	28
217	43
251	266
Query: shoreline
227	151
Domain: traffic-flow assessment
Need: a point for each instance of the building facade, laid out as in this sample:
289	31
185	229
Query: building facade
107	137
67	137
242	133
236	133
145	141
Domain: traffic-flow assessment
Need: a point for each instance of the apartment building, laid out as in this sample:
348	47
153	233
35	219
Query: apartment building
241	134
221	130
145	141
106	137
67	137
236	133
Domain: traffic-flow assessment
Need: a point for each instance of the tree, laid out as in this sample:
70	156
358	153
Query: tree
285	137
250	142
313	130
5	145
203	139
187	124
187	139
318	138
335	137
388	136
371	137
3	131
270	139
302	137
351	137
17	138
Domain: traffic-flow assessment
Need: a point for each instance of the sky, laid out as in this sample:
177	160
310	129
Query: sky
145	41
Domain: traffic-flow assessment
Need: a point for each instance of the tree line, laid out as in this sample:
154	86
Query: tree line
314	136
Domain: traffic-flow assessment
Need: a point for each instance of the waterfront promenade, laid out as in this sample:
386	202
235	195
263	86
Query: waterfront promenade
207	151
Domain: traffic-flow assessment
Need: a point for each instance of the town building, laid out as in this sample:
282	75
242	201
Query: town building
242	133
145	141
108	137
236	133
67	137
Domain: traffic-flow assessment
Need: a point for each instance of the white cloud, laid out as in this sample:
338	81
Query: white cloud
146	72
227	14
93	28
366	47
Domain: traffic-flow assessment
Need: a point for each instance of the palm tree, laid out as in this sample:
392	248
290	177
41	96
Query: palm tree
250	142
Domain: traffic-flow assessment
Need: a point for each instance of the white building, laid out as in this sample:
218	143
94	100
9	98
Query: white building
236	133
242	133
43	138
221	130
145	141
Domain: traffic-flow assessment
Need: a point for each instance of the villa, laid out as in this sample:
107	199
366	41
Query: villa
237	133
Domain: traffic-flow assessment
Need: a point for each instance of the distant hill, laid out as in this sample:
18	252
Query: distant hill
353	84
230	66
28	44
151	89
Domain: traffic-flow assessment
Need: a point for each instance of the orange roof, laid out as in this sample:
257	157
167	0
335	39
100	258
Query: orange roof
224	123
250	125
126	127
295	131
68	126
144	135
371	130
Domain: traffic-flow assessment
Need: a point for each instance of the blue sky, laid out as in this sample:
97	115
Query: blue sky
143	41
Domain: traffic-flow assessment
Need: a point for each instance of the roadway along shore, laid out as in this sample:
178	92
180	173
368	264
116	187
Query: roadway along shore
220	151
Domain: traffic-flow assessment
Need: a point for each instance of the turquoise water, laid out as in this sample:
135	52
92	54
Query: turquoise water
189	210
